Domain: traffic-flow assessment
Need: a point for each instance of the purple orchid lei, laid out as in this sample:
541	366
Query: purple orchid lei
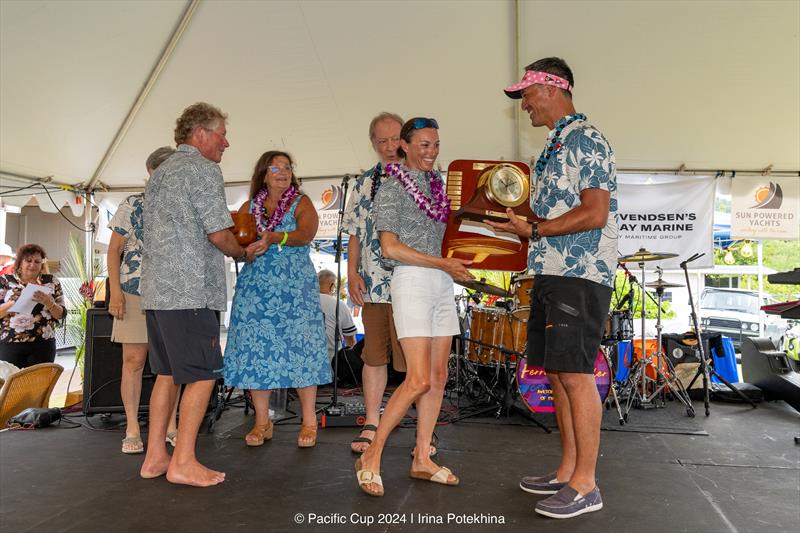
260	210
437	207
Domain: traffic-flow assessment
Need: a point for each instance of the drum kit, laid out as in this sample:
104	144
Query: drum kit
491	362
493	355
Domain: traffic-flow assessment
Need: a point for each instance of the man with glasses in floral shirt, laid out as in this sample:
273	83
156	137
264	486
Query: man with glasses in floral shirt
368	280
572	253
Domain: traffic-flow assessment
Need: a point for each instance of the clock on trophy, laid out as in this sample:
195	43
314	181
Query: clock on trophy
481	190
498	187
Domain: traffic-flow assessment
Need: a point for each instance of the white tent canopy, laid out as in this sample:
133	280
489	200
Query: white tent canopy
711	85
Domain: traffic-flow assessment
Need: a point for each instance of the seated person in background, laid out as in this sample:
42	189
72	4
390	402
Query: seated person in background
27	339
327	300
6	260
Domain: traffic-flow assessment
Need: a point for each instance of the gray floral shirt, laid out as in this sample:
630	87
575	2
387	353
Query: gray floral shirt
359	221
396	212
184	202
127	221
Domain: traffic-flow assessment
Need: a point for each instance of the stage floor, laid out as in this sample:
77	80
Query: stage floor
744	476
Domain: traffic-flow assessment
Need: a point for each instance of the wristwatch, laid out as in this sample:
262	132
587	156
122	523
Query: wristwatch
242	257
535	231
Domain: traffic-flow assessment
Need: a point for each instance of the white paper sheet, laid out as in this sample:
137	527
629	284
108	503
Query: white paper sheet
481	228
25	303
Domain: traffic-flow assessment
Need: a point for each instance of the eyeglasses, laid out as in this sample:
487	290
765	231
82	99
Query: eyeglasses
420	123
275	168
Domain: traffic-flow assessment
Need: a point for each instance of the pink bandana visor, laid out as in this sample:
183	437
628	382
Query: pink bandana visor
533	77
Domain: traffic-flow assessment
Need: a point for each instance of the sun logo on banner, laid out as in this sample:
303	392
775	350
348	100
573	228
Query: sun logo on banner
331	197
768	197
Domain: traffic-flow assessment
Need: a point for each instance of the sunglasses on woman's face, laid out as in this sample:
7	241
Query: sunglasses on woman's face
420	123
275	168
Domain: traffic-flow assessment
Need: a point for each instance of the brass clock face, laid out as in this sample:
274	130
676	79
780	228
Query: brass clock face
507	186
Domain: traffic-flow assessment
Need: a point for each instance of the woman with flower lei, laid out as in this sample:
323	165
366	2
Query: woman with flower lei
277	334
411	213
27	339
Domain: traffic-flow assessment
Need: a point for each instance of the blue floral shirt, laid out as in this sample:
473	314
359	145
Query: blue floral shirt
128	222
585	160
359	221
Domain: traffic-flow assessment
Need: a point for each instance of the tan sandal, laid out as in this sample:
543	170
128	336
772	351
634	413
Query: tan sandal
259	434
368	477
132	445
441	476
307	433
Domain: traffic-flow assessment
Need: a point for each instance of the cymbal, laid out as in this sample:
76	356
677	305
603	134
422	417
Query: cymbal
481	286
643	255
661	284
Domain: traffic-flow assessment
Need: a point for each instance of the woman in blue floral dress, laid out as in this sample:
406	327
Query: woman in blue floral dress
277	337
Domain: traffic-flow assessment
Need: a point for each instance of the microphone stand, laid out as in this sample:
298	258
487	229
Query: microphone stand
333	408
704	368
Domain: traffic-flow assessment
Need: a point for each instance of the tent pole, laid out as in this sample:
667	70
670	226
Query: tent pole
88	238
148	85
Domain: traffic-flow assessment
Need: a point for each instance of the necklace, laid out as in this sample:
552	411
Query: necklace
260	210
554	145
376	179
438	206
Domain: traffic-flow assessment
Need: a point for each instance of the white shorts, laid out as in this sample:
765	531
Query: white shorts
423	303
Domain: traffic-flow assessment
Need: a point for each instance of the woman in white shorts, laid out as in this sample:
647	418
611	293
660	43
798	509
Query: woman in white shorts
411	213
124	262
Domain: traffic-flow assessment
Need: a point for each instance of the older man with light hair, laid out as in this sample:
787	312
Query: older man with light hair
186	237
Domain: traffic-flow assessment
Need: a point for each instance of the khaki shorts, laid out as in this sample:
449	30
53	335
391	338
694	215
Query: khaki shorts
133	327
380	337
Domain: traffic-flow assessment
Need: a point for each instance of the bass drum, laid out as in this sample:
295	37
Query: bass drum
537	394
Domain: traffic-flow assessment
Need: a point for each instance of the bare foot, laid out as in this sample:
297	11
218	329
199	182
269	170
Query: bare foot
154	467
361	447
194	474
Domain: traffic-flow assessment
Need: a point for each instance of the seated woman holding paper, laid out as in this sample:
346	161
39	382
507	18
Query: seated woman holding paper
28	318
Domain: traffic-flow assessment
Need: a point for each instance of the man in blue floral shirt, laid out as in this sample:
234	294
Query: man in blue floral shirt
572	253
368	279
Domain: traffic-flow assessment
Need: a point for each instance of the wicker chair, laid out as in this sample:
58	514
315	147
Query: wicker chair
30	387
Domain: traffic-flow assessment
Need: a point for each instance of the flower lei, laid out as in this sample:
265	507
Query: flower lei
555	145
259	209
376	179
437	207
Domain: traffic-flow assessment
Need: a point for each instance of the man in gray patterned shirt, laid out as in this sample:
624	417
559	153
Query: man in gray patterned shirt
186	236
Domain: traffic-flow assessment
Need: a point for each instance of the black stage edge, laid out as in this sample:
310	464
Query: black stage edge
743	477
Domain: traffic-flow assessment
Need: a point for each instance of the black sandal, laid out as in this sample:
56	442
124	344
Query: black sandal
359	438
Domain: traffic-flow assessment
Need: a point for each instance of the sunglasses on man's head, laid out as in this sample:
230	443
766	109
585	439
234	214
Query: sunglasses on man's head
420	123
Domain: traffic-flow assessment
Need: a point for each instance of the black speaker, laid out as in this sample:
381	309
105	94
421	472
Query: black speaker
102	368
770	370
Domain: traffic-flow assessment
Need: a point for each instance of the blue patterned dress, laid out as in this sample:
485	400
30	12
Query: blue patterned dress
277	333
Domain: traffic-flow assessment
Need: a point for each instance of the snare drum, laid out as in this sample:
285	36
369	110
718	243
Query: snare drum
523	286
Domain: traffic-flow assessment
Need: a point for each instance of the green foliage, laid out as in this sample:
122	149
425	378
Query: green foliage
781	256
621	288
75	276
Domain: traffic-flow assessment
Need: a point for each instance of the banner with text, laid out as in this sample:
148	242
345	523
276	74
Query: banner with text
667	214
326	194
765	207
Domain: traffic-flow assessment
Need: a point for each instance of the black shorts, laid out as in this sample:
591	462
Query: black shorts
184	344
566	323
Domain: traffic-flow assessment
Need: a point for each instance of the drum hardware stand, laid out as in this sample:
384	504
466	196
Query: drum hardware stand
639	372
705	369
507	403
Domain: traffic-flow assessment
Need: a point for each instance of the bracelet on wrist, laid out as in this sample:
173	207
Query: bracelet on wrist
535	231
283	241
